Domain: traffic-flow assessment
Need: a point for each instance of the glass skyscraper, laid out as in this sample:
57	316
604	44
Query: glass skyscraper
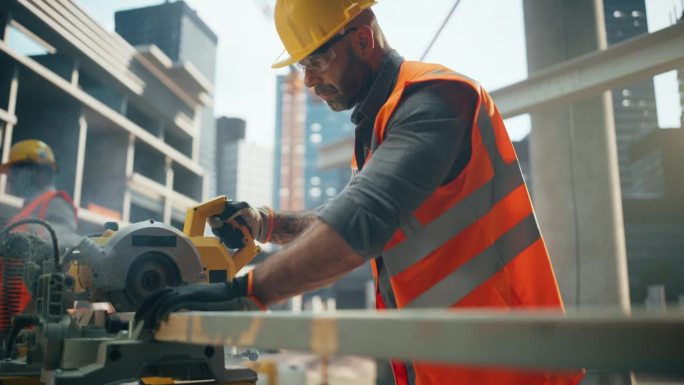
323	126
304	123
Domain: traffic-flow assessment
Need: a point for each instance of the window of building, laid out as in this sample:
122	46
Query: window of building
23	41
618	14
316	138
315	192
330	191
316	127
315	181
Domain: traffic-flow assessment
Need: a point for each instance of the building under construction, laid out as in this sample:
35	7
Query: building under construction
124	121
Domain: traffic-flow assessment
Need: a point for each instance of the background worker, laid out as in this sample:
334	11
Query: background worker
436	202
30	175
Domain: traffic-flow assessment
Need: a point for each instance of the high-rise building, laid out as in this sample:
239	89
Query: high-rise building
304	124
654	228
323	127
290	141
182	36
245	170
634	107
650	163
228	132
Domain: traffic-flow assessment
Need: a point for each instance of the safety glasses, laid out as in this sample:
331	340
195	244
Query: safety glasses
320	59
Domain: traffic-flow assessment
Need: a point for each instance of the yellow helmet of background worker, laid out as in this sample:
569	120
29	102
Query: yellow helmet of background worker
305	25
30	151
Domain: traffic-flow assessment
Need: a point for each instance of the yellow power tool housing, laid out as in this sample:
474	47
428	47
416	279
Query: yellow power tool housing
124	266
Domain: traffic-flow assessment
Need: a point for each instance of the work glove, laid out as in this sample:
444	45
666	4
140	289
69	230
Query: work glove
225	296
259	223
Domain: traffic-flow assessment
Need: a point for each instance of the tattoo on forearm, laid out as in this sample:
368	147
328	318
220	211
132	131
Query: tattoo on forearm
288	226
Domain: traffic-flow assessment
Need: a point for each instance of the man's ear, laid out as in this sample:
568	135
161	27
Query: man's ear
364	42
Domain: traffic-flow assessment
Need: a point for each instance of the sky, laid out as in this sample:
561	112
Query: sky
484	39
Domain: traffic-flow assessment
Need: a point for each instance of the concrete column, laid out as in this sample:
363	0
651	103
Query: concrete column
5	18
573	156
574	164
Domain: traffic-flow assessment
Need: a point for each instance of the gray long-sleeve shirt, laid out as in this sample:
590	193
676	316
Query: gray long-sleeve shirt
427	144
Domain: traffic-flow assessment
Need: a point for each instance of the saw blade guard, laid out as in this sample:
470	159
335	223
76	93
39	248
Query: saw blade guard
139	259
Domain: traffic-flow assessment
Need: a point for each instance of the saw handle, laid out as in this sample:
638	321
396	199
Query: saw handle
197	216
195	221
208	211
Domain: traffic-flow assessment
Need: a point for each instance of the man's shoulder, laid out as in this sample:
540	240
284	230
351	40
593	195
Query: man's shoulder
438	98
60	204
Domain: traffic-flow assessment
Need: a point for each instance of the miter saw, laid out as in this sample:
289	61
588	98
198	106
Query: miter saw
53	342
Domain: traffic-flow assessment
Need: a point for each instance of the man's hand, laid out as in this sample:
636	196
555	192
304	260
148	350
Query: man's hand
226	296
259	222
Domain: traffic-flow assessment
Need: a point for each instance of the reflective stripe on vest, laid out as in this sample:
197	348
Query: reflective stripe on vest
41	204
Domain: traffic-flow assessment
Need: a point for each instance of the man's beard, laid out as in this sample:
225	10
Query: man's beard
353	86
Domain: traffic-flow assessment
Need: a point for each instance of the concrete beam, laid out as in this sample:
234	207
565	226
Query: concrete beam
6	117
587	75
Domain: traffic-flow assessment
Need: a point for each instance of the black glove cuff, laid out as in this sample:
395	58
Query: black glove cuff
240	285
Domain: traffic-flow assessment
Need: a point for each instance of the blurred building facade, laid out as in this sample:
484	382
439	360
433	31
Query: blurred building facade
290	142
304	124
634	107
648	157
654	228
244	170
123	122
185	38
323	127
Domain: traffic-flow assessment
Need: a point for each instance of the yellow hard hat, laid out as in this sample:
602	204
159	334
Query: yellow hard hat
305	25
31	151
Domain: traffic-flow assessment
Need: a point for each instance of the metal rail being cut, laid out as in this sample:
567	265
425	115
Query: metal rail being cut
593	340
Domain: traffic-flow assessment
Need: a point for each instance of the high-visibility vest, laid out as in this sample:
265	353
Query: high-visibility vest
473	243
20	296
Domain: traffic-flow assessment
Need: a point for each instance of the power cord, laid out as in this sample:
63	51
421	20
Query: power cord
36	221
